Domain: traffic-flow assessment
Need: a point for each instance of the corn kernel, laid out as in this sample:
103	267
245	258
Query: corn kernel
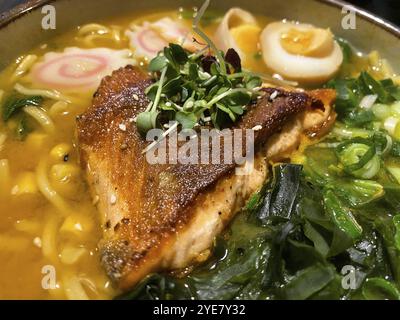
374	58
60	151
71	255
36	141
25	184
65	179
64	172
77	225
28	226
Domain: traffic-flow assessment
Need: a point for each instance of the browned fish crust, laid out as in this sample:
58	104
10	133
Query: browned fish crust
145	205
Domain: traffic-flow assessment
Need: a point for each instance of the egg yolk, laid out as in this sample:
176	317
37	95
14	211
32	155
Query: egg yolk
314	42
246	37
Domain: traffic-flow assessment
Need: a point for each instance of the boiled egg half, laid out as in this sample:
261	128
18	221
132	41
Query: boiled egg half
301	52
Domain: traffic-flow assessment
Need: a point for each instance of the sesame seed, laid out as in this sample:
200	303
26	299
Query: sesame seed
14	190
135	96
122	127
132	120
96	199
274	95
113	199
256	128
37	242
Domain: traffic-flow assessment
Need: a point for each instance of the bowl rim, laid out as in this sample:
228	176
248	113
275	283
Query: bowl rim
18	11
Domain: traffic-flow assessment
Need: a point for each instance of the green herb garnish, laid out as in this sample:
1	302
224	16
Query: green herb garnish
351	91
346	49
12	107
194	89
14	104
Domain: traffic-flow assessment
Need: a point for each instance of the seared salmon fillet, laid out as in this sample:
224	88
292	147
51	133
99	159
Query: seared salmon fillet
165	216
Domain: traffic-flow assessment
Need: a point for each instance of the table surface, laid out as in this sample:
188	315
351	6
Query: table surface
388	9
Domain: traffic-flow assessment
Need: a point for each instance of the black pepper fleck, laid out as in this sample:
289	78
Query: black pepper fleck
125	220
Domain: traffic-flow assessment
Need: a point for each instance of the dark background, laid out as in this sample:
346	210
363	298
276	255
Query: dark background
389	9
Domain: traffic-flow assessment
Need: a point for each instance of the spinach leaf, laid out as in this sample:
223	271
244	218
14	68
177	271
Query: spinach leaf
286	245
291	242
346	49
13	104
280	201
308	282
380	289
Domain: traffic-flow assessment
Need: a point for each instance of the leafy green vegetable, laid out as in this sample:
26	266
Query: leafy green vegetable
357	192
391	88
13	104
395	151
396	222
380	289
146	121
308	282
279	202
348	95
341	215
351	91
358	157
286	245
12	109
346	49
